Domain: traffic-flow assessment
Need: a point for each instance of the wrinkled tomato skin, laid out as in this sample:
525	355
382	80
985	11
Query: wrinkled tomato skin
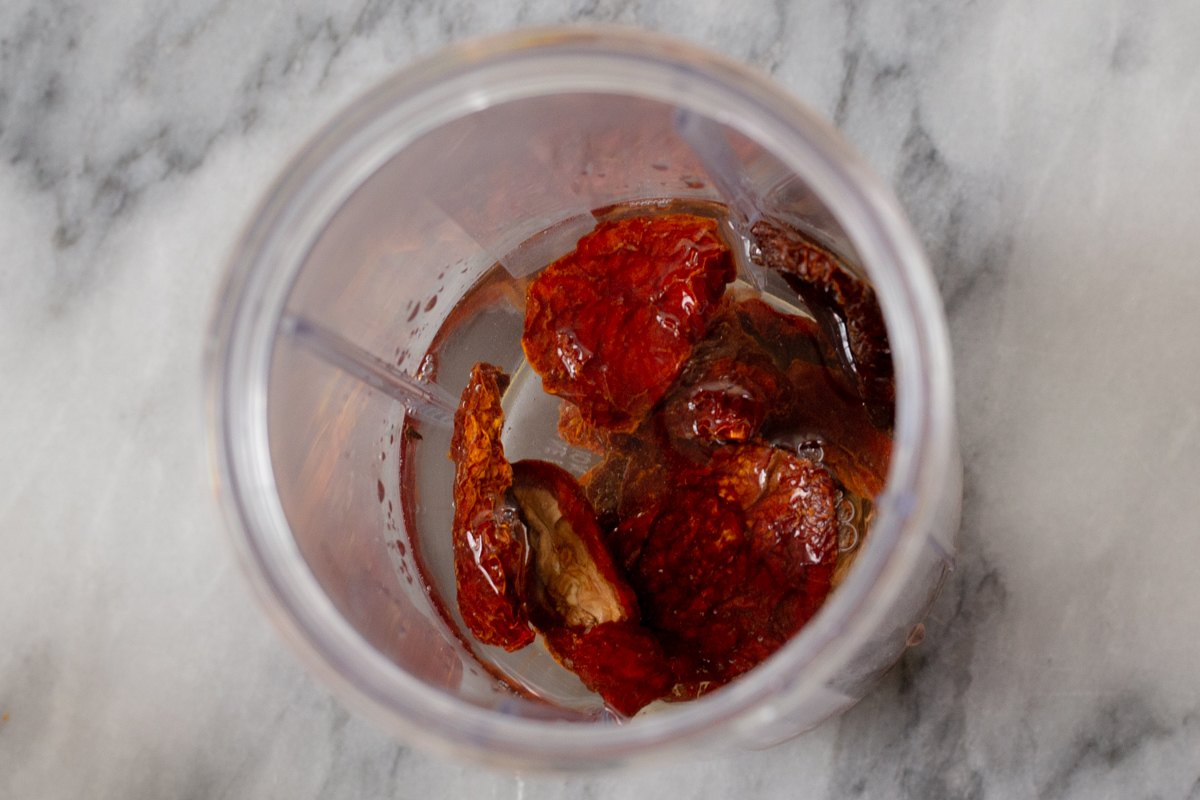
816	273
577	432
731	559
610	325
488	539
728	388
703	590
622	662
791	522
693	559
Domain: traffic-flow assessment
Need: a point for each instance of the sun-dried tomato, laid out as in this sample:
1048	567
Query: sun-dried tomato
577	432
817	404
489	546
703	589
620	661
856	451
573	580
610	325
790	517
784	337
602	485
728	388
823	283
578	599
693	558
731	559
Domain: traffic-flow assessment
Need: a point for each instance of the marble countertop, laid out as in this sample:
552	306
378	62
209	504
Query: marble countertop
1048	156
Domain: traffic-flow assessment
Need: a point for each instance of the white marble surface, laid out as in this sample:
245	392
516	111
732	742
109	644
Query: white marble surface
1049	155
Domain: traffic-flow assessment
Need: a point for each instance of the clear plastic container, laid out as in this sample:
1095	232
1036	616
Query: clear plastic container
374	232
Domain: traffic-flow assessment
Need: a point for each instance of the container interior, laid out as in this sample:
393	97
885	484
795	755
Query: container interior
452	207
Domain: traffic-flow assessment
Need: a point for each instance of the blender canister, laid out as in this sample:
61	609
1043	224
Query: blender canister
373	234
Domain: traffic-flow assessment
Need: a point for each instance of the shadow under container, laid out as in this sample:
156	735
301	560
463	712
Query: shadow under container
378	228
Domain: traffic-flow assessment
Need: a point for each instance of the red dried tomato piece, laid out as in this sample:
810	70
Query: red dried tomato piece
602	485
694	557
573	580
620	661
726	403
703	591
610	325
816	404
489	546
577	432
727	390
731	559
784	337
791	521
856	451
823	283
578	600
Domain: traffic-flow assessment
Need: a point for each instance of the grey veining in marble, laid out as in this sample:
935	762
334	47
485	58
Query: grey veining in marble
1048	156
